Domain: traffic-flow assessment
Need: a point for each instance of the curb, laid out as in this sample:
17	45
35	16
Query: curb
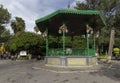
54	71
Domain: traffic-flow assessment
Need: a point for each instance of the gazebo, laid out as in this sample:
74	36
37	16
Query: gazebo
67	22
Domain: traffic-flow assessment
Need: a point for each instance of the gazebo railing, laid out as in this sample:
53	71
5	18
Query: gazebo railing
71	52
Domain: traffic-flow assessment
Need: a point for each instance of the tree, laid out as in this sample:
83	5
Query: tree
25	41
105	6
18	25
36	29
81	6
110	9
4	19
5	35
117	24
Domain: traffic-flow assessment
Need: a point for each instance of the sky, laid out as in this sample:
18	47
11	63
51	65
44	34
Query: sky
30	10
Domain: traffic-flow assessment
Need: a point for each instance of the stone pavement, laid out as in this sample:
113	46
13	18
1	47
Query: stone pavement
42	66
37	72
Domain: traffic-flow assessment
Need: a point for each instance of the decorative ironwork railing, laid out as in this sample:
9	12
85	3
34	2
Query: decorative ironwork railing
71	52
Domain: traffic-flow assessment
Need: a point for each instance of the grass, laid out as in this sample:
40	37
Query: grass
102	56
23	58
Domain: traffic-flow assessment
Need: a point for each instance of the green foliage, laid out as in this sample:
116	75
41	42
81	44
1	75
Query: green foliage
117	18
4	16
104	36
11	44
81	6
4	19
5	35
111	11
25	41
106	6
23	58
18	25
68	41
52	39
117	25
36	29
79	42
102	56
117	42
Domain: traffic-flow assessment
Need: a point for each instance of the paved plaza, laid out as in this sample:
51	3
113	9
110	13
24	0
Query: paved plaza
35	72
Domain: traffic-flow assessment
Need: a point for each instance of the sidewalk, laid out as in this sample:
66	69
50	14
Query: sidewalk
4	61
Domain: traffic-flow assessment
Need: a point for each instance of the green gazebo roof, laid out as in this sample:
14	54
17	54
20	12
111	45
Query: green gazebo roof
74	19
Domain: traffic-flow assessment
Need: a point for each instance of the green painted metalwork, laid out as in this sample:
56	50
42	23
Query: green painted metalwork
56	52
87	45
78	52
94	44
74	52
47	43
87	38
57	18
63	37
71	11
91	52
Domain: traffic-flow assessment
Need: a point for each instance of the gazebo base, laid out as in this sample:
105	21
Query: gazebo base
71	61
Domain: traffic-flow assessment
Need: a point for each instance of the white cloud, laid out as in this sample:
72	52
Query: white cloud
23	9
30	10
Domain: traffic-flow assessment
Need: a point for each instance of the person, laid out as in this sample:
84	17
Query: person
1	56
4	55
9	56
38	57
12	57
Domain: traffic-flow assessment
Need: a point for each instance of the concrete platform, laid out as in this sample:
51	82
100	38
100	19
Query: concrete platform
71	61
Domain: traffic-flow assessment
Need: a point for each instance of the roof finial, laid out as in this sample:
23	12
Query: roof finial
68	6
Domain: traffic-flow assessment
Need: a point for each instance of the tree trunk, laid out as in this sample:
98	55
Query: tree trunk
111	46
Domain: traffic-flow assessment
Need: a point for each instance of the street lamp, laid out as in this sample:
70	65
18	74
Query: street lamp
89	31
45	35
96	35
63	29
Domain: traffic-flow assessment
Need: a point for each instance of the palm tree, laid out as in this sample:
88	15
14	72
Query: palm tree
18	25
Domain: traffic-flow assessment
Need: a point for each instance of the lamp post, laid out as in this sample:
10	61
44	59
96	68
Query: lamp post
96	35
89	31
45	35
63	29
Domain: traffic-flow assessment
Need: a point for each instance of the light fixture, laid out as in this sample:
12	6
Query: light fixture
63	28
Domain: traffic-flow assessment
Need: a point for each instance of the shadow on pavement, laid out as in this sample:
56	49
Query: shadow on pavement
111	70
